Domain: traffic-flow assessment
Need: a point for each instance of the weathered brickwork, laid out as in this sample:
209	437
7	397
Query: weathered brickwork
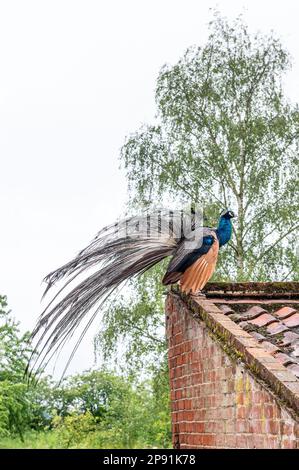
216	401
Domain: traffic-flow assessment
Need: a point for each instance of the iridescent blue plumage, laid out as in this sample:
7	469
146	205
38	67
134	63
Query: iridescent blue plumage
225	228
183	258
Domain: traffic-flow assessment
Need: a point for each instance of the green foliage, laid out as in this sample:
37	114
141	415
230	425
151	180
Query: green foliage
14	351
43	398
74	430
227	136
96	409
107	411
160	410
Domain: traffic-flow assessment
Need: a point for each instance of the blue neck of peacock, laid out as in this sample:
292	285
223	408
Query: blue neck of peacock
224	230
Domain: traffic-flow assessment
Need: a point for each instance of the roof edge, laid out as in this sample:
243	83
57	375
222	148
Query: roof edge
281	381
253	289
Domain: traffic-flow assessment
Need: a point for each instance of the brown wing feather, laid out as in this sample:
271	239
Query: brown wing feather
173	273
196	276
171	278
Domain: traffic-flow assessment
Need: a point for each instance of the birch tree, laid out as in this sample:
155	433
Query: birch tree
227	136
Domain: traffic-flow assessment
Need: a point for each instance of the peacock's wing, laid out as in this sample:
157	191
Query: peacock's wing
188	252
198	274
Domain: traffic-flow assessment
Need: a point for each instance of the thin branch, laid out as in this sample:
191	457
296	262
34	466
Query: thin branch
287	275
203	119
278	240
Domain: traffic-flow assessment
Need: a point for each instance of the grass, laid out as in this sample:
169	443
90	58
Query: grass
52	440
32	440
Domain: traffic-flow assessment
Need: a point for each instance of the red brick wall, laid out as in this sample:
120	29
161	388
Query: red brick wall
216	402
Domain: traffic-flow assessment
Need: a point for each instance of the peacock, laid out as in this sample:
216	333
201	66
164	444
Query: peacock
119	252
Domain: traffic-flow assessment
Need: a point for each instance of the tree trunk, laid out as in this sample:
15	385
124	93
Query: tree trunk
239	239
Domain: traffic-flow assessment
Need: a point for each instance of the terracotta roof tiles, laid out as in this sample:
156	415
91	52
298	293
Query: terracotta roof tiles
273	320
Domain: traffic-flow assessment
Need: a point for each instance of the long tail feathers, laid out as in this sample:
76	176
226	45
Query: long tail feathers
119	252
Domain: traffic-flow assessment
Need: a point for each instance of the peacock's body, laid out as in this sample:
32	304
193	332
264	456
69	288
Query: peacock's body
118	253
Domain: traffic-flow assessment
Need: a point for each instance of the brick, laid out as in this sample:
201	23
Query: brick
187	404
216	402
287	429
241	412
294	368
272	442
210	427
242	426
241	442
259	352
231	385
284	376
227	412
258	441
256	412
180	404
220	441
240	398
293	386
272	427
190	416
288	444
207	402
208	440
178	338
219	427
230	426
238	332
258	397
249	441
198	427
197	440
283	358
272	364
276	412
270	347
231	440
268	411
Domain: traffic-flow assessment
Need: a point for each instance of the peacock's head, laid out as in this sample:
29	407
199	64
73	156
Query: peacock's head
227	214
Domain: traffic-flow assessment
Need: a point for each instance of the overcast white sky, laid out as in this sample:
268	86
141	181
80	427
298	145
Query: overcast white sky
75	78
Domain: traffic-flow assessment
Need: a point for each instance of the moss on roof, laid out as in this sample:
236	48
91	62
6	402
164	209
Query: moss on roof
251	288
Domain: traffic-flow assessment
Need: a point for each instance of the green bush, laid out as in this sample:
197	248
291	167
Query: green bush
95	409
